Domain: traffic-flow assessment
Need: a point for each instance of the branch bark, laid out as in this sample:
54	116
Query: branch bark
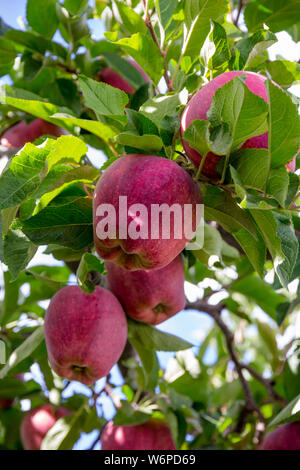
242	4
250	404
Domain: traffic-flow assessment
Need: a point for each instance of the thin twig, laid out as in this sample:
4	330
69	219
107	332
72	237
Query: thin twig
95	442
109	392
154	37
250	404
267	384
241	5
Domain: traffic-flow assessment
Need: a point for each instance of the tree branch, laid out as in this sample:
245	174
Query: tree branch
242	4
250	404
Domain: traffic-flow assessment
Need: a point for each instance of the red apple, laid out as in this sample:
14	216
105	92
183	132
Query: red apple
85	334
149	296
112	78
21	133
140	240
285	437
37	423
152	435
199	105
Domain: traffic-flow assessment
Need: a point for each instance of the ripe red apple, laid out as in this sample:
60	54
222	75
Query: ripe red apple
37	423
199	105
21	133
85	334
152	435
285	437
149	296
140	240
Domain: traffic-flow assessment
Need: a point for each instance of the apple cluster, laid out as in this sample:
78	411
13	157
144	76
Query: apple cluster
86	333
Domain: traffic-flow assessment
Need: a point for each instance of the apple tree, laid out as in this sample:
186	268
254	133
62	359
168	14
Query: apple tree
176	102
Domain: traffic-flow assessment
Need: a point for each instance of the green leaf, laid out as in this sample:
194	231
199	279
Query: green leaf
8	52
41	16
162	105
148	377
140	124
244	112
284	72
65	432
88	263
248	48
72	28
18	251
12	387
125	69
66	148
32	104
51	283
197	16
154	339
23	351
279	235
65	221
104	99
291	374
278	184
252	166
28	169
268	336
128	416
293	188
284	126
204	139
76	7
215	52
129	19
100	47
290	413
165	10
144	51
260	292
255	249
213	242
62	92
3	27
57	180
22	176
97	128
277	14
221	207
148	143
2	352
36	43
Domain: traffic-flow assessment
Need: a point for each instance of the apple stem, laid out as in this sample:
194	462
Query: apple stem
198	174
225	167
